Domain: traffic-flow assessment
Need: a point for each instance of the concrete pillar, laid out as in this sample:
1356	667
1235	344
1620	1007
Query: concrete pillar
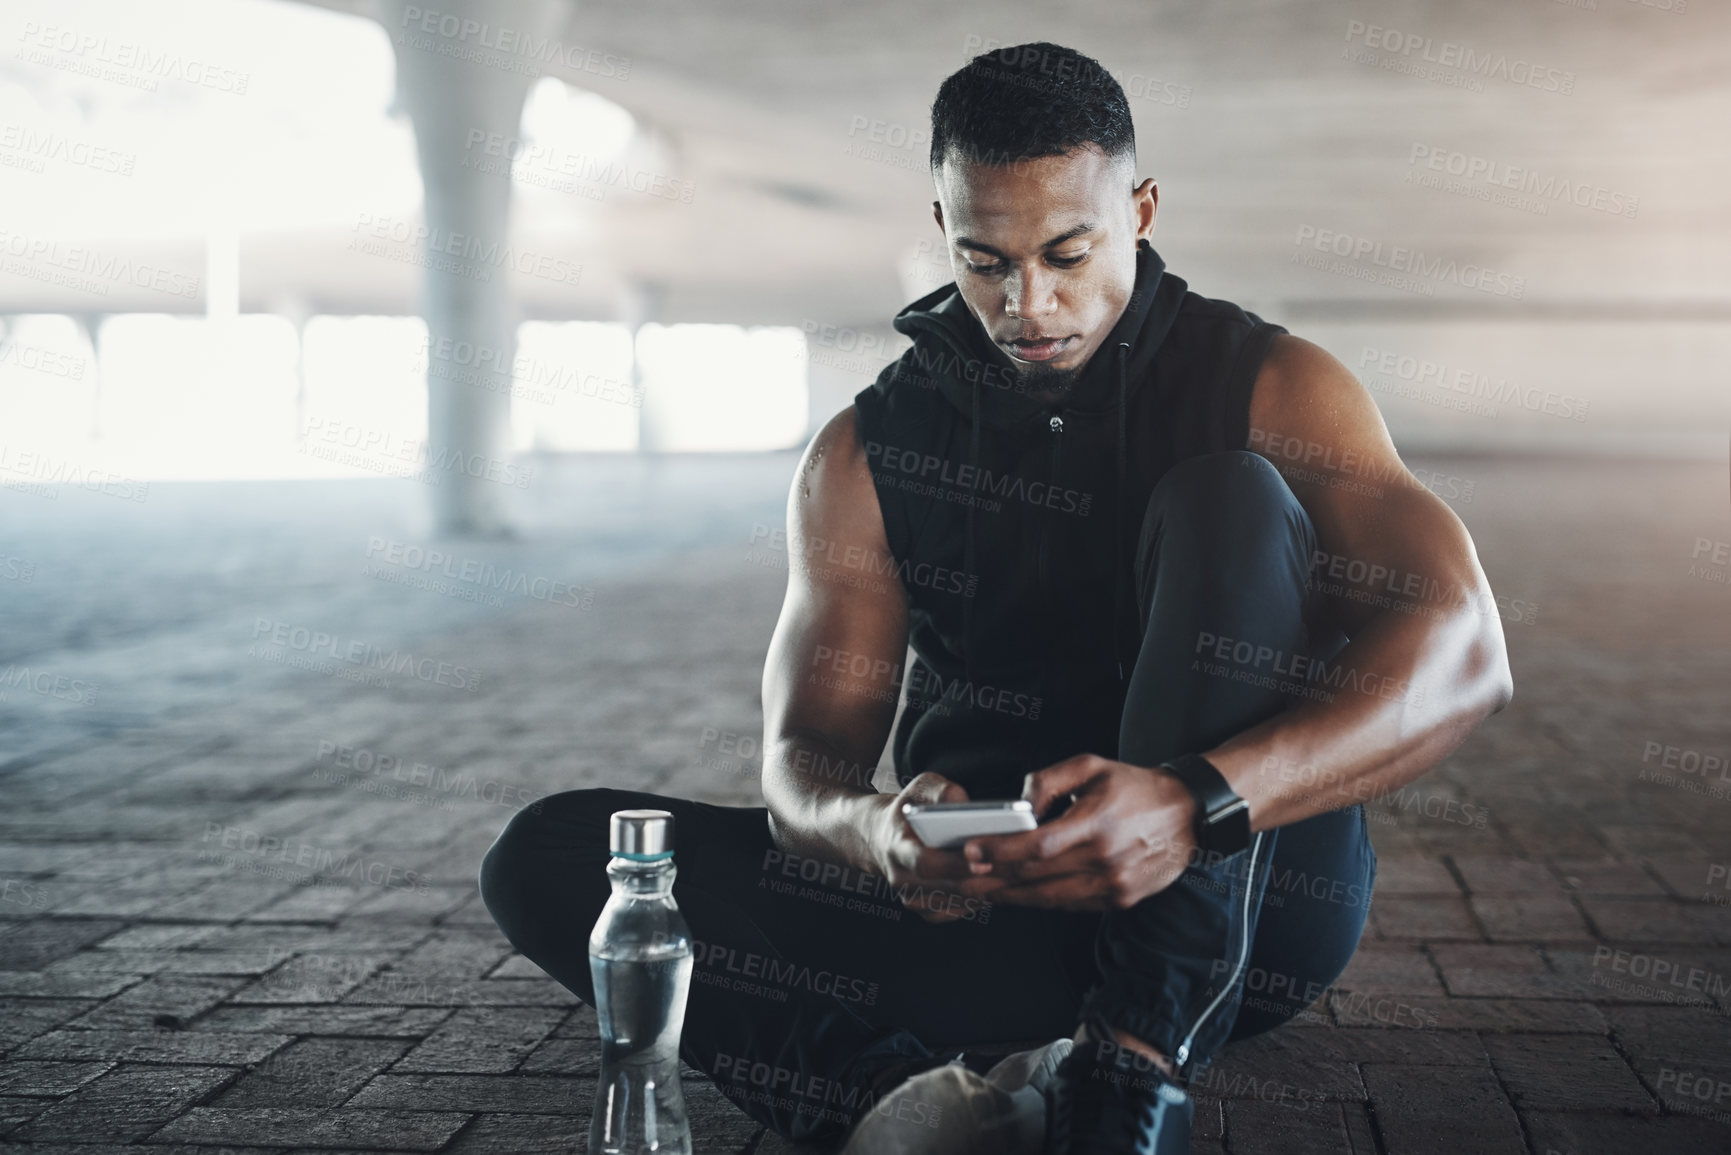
297	311
89	327
467	74
639	304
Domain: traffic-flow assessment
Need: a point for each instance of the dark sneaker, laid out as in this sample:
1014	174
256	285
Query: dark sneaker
1110	1100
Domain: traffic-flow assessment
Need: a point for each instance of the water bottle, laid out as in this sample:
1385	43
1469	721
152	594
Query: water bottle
640	960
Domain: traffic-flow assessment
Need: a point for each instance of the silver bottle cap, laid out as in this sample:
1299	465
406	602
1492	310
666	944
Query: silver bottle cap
641	834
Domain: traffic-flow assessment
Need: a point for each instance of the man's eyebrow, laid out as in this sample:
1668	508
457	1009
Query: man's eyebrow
1066	235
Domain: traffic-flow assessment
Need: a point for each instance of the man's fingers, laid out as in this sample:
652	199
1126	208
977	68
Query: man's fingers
990	888
1069	891
936	913
933	863
1043	786
934	787
927	901
1079	824
1083	858
914	856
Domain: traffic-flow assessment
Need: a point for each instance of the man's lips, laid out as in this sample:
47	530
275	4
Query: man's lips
1042	349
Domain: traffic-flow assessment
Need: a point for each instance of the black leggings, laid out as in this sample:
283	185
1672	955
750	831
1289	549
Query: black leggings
809	976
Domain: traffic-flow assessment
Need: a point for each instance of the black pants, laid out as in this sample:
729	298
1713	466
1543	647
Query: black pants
808	975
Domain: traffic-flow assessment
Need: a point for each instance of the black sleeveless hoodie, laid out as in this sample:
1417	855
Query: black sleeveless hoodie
1014	534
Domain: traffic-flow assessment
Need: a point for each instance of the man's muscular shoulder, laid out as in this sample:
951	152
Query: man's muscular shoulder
1307	410
1297	380
834	495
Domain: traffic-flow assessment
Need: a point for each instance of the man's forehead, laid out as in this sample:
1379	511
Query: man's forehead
1057	190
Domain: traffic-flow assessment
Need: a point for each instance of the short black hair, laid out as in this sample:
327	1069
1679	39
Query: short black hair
1027	101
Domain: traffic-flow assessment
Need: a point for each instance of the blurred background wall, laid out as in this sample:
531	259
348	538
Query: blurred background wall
692	224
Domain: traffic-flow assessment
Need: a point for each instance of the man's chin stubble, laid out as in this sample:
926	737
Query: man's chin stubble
1044	383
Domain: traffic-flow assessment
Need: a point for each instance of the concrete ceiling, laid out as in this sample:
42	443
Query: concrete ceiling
1279	131
1258	125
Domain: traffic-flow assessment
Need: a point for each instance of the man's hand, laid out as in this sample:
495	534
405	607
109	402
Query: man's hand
930	876
1127	835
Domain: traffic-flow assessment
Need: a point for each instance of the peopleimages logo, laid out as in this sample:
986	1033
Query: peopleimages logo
364	655
48	684
382	450
927	690
1400	259
464	36
1496	175
1299	670
41	359
484	254
497	370
1716	567
479	573
322	861
584	168
1650	969
370	768
925	575
754	1081
36	466
1473	384
1449	54
101	56
856	890
718	961
32	148
930	471
86	269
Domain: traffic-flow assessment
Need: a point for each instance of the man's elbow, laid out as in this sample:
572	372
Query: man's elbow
781	803
1491	681
776	834
1500	688
770	788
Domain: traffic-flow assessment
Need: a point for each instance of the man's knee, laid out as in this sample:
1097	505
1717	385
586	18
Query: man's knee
539	836
1223	510
1234	485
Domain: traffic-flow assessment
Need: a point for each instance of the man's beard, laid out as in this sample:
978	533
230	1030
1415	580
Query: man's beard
1043	382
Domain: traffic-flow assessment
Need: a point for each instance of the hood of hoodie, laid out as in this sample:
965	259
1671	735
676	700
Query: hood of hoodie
942	320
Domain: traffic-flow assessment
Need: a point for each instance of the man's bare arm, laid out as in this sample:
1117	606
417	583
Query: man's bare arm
1426	661
833	671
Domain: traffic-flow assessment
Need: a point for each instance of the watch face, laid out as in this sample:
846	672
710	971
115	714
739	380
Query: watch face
1227	811
1227	830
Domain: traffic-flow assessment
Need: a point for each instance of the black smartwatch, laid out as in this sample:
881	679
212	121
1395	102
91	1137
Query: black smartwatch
1222	817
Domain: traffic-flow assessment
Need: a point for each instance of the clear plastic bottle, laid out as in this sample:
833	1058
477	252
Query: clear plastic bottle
640	960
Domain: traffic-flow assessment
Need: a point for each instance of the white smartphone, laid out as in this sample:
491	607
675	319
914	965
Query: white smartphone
949	824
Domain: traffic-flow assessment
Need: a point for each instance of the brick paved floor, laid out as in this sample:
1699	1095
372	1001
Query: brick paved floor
1556	978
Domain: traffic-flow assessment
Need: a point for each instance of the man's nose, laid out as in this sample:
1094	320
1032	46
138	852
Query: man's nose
1030	293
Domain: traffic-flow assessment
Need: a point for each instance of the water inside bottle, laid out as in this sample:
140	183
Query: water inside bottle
641	1005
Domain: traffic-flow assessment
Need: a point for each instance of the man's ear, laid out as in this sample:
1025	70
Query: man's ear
1145	199
938	214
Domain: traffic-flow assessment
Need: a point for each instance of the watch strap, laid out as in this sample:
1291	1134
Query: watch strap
1222	817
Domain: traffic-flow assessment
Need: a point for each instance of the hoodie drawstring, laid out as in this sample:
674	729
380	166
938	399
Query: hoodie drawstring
968	564
1118	517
